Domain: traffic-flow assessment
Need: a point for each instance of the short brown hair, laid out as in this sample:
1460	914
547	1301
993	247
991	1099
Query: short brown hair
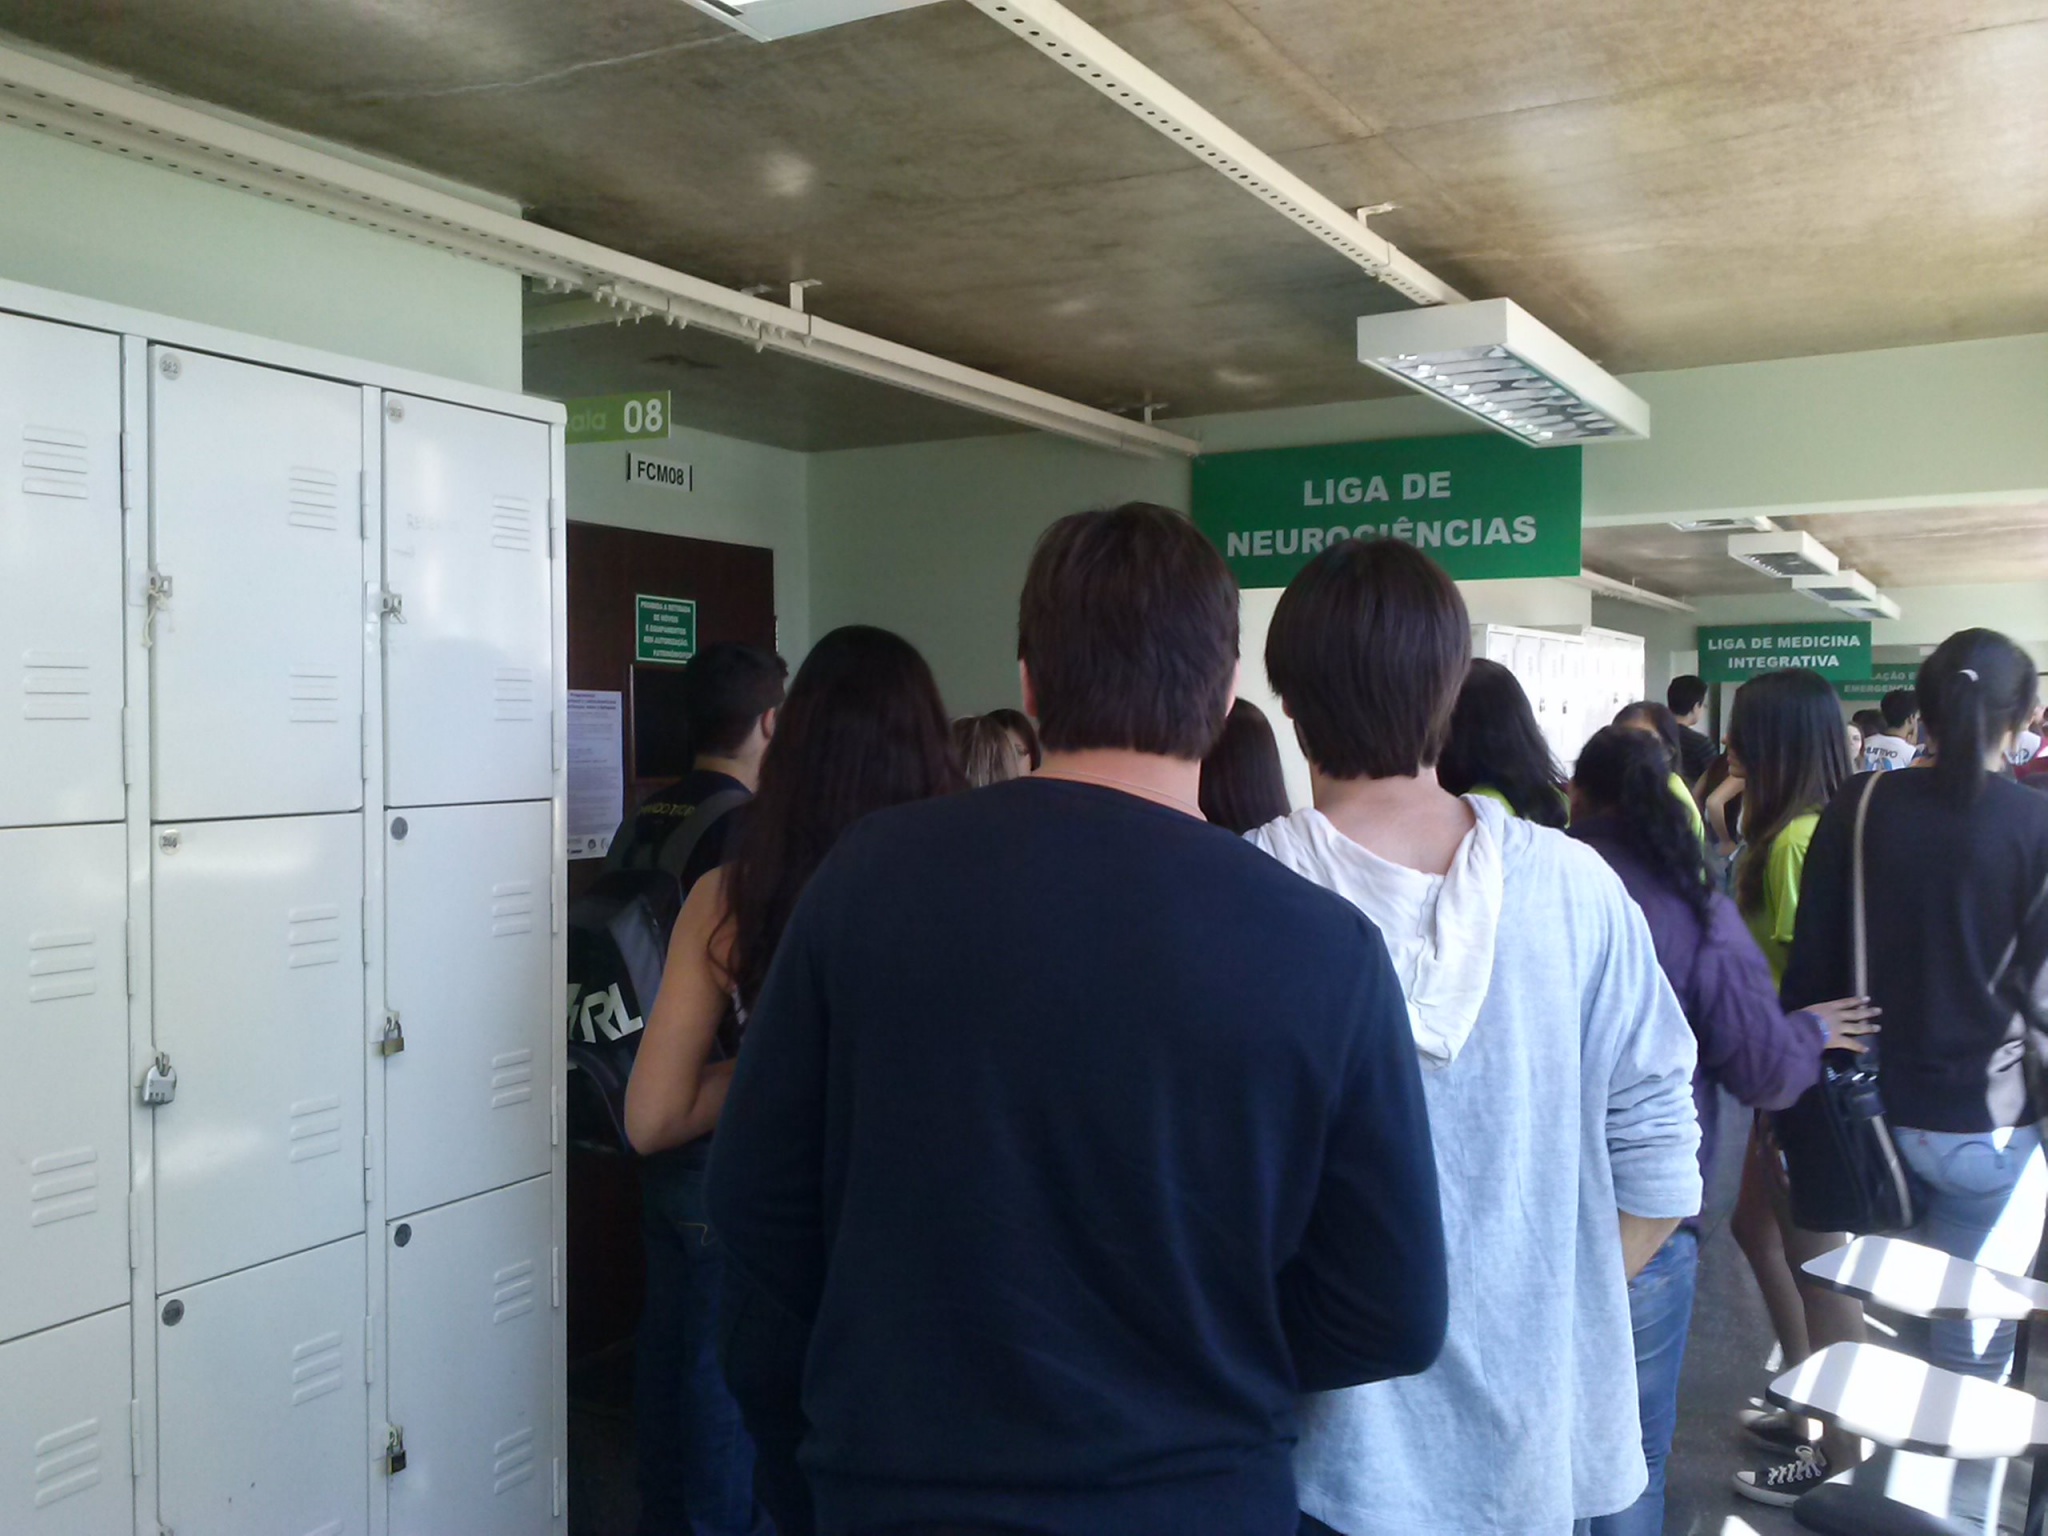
1368	649
1128	625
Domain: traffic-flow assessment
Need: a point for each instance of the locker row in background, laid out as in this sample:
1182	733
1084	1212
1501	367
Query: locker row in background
278	824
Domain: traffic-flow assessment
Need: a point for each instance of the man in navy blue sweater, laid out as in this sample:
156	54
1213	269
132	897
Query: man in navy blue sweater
1072	1137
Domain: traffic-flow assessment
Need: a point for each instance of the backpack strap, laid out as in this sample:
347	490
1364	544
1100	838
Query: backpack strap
1858	897
674	856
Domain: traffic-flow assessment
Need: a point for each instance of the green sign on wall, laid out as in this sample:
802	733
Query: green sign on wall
1734	653
617	418
1482	507
1885	677
664	628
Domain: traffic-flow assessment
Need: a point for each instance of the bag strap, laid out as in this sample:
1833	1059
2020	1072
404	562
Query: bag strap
1858	898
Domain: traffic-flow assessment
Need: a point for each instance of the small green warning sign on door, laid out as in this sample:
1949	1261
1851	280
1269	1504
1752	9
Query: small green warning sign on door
664	628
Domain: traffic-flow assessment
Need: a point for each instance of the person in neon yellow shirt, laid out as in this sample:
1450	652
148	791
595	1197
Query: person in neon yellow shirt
1785	740
1654	719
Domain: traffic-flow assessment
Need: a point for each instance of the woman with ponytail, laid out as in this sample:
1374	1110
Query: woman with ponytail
1956	891
1623	808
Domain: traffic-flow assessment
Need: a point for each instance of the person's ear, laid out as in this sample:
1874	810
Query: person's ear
1236	686
767	725
1024	686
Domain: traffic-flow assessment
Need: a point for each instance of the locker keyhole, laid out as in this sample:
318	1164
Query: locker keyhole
174	1313
403	1235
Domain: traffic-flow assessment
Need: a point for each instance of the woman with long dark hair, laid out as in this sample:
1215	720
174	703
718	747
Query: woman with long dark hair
1497	749
1787	745
1242	782
863	729
1956	892
1623	808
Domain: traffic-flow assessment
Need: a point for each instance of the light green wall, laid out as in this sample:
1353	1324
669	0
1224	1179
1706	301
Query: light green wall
104	227
745	493
931	540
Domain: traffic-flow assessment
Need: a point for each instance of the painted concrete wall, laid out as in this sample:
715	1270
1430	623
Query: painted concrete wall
104	227
745	493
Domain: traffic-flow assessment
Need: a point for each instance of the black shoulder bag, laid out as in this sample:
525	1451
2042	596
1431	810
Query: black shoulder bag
1844	1168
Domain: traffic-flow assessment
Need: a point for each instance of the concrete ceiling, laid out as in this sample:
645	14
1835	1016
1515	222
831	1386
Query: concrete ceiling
1924	547
1667	183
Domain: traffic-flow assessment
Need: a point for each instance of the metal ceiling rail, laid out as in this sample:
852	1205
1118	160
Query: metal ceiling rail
70	104
1079	49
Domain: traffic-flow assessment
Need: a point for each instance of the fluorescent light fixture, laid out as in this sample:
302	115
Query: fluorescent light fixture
1847	592
1495	361
1878	607
767	21
1783	554
1727	525
1629	592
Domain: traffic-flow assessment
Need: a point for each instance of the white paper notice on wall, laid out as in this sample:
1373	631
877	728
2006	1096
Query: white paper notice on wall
597	778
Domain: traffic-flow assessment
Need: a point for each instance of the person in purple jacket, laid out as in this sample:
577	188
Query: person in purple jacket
1622	807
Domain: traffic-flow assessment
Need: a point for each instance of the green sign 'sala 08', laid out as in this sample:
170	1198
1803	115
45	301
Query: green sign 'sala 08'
1482	507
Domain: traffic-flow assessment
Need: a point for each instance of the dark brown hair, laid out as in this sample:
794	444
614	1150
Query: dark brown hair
862	729
1495	743
1787	730
1368	650
1242	783
1128	626
1019	725
1974	688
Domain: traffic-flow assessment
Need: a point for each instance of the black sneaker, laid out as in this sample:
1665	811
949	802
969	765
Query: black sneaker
1776	1429
1786	1482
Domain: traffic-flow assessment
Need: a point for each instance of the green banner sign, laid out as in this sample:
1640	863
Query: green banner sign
618	418
1483	507
1885	677
664	628
1734	653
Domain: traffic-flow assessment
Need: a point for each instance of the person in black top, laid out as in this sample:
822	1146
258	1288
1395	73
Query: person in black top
1686	697
694	1464
1073	1137
730	695
1956	886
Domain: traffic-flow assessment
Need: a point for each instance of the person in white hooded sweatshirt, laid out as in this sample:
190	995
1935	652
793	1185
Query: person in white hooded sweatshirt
1557	1067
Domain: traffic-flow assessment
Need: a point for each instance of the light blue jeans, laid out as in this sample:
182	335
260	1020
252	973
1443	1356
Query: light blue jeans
1982	1197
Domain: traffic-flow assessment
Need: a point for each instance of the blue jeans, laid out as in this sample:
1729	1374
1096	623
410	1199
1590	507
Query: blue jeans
1981	1196
696	1463
1660	1308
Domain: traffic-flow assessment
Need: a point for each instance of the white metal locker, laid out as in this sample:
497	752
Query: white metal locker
63	1074
64	1460
60	573
467	953
472	1287
262	1405
257	643
468	672
259	1004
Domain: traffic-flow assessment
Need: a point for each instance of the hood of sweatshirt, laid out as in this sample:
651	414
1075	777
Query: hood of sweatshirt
1439	929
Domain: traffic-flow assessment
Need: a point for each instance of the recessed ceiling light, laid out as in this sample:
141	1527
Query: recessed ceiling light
766	21
1495	361
1783	554
1727	525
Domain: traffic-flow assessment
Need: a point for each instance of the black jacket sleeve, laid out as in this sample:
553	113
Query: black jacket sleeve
1822	965
1365	1296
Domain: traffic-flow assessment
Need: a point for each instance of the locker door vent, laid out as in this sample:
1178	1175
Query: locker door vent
55	462
511	1079
63	1185
67	1462
314	1129
316	1368
312	937
511	909
512	1461
56	685
61	965
511	524
512	693
512	1292
313	499
314	696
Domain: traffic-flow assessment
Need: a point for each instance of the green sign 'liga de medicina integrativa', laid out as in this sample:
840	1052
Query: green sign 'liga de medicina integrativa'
1733	653
1482	507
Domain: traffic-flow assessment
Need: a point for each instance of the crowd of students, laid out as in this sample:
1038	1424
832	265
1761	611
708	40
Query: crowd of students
1108	1147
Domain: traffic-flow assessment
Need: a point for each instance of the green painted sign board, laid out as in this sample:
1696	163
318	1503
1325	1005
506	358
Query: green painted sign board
618	418
1733	653
1885	677
1483	508
664	628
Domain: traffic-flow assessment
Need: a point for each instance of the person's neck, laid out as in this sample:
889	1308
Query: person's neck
1169	781
1411	821
746	769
